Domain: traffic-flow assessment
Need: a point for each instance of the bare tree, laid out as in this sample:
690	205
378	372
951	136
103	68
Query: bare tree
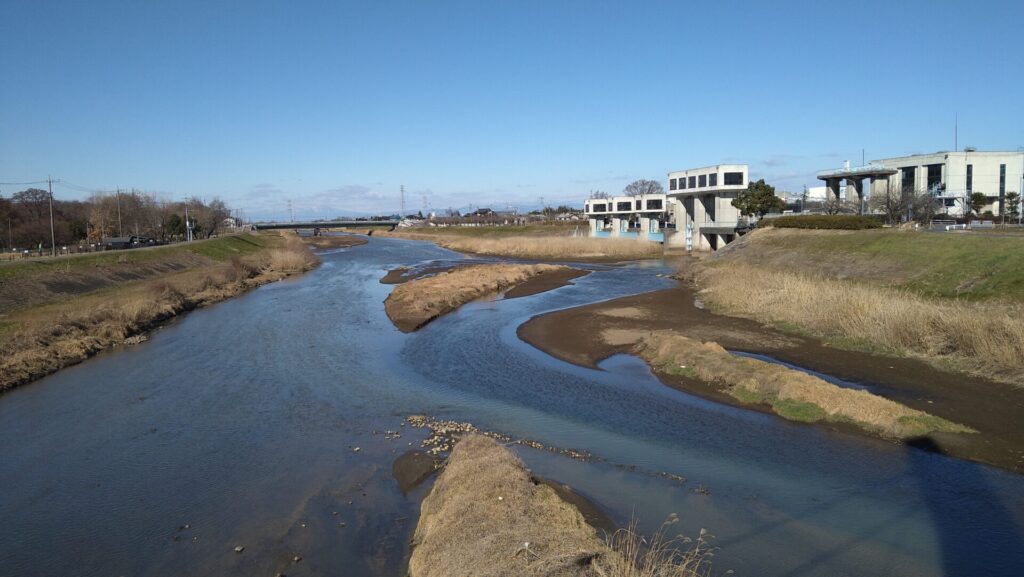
895	203
599	194
643	186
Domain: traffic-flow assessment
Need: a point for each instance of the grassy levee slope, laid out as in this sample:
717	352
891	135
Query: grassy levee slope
29	283
951	299
486	516
549	242
56	314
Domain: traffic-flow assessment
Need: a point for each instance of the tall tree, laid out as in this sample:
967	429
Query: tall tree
1013	205
977	203
643	186
758	199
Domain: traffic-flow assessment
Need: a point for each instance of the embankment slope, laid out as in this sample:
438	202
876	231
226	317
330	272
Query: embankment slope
87	304
949	299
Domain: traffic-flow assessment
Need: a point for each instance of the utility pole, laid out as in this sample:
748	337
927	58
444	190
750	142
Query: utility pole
120	231
53	241
188	224
291	213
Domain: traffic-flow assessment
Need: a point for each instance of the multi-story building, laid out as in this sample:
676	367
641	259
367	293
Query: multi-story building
705	218
950	177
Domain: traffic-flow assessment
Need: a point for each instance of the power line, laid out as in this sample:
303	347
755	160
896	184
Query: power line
20	183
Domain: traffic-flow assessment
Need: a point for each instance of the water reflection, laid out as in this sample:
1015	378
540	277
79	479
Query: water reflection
242	420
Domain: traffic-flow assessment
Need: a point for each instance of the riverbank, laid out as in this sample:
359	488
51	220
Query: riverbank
56	316
417	301
947	299
588	334
532	242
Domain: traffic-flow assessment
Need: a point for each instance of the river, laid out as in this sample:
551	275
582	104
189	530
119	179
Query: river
238	425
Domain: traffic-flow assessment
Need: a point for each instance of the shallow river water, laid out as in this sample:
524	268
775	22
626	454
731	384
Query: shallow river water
237	426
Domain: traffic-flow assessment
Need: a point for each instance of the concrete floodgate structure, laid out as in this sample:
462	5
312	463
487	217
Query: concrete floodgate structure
701	200
643	217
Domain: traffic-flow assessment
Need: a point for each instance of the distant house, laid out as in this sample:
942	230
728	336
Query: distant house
482	212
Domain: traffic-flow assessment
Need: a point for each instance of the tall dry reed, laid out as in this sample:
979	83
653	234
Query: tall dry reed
986	339
660	555
547	247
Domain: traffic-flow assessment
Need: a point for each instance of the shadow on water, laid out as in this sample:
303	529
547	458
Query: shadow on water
974	527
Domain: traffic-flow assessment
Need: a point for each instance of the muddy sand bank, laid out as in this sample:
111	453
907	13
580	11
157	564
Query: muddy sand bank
334	241
486	515
588	334
424	295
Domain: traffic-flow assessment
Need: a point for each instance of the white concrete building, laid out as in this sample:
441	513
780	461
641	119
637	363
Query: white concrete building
627	216
951	177
704	215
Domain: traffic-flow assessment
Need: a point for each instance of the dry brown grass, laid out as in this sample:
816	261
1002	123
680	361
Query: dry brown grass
982	338
50	337
486	516
545	247
417	302
660	556
790	393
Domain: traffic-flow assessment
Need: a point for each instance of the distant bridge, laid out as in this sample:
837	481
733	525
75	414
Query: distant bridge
324	224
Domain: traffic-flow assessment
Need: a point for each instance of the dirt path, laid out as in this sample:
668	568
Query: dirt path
586	335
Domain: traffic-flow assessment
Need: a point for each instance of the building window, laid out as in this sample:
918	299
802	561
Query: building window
638	204
713	179
682	183
970	178
907	182
654	204
598	208
702	181
934	178
732	178
949	202
623	206
692	182
671	184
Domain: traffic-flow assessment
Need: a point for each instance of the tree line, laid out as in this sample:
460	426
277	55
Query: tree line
25	218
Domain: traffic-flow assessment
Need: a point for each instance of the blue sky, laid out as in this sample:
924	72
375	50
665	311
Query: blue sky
335	105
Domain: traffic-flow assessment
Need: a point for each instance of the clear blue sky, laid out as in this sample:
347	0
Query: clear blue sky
334	105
